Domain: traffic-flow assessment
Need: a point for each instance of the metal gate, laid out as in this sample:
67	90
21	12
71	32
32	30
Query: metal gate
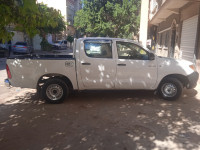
188	38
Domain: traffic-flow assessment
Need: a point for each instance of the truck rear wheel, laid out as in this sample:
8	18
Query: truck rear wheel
55	90
170	89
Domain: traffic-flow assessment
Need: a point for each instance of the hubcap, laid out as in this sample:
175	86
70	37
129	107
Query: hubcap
54	92
169	90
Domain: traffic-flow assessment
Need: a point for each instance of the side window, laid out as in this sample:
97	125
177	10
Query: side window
127	50
65	42
98	48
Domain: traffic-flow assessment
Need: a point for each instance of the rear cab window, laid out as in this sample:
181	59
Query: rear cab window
98	48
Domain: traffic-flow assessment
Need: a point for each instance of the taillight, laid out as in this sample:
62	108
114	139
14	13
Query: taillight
24	47
14	46
8	72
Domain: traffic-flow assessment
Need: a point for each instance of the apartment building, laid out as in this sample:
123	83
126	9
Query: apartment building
72	6
174	28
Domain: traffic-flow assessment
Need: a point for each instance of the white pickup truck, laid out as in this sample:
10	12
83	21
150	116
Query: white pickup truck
101	64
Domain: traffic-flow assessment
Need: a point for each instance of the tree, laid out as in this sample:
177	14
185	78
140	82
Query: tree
49	20
113	18
70	39
16	14
29	17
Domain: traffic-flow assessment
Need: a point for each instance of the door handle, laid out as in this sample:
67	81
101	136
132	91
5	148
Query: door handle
121	64
86	63
152	66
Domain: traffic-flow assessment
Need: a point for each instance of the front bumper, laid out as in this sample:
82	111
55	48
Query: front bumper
7	82
192	80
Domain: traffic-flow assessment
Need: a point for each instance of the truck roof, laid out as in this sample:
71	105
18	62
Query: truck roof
108	38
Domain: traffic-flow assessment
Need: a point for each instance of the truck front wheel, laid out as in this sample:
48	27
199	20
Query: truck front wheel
170	89
54	91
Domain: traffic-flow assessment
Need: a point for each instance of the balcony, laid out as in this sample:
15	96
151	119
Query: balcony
162	9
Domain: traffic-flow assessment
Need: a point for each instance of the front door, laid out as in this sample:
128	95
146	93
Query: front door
97	66
134	69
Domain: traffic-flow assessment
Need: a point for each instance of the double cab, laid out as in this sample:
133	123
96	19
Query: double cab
101	64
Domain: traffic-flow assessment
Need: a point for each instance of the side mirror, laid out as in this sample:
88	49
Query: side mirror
151	56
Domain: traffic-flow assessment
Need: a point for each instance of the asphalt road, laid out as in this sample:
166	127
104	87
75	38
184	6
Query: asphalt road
101	120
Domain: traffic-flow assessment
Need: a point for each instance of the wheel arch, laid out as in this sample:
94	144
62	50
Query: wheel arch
46	77
183	79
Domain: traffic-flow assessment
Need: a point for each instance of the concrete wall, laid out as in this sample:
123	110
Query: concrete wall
36	42
198	46
189	11
18	37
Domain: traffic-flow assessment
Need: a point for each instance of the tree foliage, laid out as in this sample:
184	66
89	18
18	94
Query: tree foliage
113	18
29	17
49	21
70	38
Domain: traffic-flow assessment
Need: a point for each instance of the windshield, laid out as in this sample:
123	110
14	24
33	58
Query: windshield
21	43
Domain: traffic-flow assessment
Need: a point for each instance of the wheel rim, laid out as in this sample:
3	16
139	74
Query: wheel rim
54	92
169	90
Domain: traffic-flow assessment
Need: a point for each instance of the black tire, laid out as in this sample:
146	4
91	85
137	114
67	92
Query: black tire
170	89
54	91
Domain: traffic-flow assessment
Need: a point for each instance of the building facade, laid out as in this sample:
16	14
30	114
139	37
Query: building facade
174	29
72	6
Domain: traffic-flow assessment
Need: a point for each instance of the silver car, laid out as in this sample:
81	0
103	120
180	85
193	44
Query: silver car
60	44
22	47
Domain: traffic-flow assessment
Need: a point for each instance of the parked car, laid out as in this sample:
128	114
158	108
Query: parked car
22	48
5	48
101	64
3	51
60	44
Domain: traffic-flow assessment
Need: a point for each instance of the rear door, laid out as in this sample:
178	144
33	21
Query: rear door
134	69
97	66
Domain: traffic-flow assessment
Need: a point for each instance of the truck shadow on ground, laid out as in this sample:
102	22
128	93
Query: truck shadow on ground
101	120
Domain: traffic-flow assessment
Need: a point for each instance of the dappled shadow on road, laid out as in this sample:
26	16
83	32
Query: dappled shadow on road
101	120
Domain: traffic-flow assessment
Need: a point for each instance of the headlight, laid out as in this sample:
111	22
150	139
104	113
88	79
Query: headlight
192	67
